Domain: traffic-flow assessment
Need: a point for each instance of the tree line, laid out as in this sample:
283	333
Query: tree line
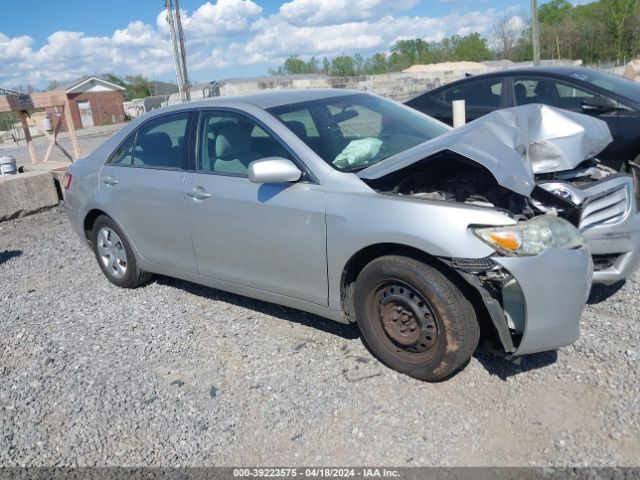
604	30
403	54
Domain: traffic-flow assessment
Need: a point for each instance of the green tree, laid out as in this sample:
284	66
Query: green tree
136	87
619	13
326	66
376	64
342	66
358	63
405	53
554	12
110	77
312	65
471	48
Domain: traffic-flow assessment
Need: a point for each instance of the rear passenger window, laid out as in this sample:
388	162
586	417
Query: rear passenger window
483	93
159	143
124	153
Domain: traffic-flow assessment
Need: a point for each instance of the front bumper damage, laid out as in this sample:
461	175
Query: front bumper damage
530	311
616	250
610	222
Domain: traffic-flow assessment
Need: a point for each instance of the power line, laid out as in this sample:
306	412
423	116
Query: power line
178	49
185	76
535	32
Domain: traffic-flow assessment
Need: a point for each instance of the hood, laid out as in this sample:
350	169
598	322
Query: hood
514	144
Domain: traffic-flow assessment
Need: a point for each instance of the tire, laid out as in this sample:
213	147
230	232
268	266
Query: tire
115	255
413	319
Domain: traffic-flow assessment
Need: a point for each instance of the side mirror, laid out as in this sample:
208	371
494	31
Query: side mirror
273	170
599	104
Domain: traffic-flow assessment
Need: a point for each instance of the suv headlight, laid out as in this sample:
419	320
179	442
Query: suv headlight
531	237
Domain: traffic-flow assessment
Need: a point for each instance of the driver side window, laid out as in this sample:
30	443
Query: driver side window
229	142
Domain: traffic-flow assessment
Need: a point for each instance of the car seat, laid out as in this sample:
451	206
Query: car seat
521	94
544	93
234	150
156	149
298	128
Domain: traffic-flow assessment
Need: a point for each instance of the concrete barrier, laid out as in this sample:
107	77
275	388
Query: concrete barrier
26	193
56	169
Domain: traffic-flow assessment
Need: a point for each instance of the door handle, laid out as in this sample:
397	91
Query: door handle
110	181
198	193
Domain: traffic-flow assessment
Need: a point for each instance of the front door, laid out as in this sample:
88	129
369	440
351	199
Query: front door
86	116
271	237
142	184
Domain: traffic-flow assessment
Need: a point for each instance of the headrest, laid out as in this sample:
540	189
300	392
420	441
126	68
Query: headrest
155	142
214	128
298	128
543	88
232	140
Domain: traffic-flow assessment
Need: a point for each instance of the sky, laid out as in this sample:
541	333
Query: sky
225	38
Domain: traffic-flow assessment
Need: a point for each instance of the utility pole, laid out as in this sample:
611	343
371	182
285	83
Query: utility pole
176	55
185	76
535	30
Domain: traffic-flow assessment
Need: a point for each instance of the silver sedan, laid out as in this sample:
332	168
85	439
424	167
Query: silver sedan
345	205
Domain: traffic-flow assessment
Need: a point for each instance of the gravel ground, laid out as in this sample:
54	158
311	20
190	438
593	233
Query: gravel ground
175	374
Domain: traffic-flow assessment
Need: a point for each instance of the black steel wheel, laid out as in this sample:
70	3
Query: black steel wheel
414	319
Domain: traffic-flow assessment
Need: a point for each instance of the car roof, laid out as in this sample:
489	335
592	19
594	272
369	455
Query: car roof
268	99
553	71
529	71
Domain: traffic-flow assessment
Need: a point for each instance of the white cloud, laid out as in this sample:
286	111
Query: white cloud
229	34
333	12
223	18
12	48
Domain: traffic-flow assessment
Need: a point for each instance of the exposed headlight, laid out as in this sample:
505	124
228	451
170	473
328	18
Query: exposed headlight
531	237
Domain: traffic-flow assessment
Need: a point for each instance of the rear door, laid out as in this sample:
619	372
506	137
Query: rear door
142	185
271	237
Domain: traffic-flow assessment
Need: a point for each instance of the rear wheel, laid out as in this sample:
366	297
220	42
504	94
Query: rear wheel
413	319
115	255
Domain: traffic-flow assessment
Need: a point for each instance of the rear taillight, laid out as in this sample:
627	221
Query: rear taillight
67	180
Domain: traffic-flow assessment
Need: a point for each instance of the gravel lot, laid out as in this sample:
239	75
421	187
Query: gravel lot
175	374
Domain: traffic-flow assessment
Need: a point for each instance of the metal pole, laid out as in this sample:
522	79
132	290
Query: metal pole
183	51
535	30
174	45
459	113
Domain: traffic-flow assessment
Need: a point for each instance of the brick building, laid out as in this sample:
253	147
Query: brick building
93	101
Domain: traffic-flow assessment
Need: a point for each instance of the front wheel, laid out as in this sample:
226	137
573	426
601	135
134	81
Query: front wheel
115	255
414	319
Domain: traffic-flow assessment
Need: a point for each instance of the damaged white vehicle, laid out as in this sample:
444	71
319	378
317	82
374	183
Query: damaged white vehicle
361	210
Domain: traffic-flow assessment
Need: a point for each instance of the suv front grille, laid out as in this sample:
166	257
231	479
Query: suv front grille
605	208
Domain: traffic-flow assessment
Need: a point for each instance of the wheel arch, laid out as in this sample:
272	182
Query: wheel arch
90	219
361	258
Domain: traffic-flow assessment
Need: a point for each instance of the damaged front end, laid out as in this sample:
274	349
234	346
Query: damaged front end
527	309
529	161
519	162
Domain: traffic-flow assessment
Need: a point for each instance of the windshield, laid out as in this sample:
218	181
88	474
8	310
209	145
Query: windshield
354	131
614	83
